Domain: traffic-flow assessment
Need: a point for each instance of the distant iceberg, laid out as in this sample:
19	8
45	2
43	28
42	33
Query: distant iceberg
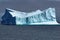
47	16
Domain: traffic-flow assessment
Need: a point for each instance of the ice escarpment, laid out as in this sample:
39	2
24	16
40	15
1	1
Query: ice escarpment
47	16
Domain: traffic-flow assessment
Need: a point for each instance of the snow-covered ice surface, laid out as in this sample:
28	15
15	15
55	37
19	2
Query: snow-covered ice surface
38	17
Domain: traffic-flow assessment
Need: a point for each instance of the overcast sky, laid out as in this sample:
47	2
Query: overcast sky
29	5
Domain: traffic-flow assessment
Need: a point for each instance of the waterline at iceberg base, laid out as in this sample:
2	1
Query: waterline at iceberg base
38	17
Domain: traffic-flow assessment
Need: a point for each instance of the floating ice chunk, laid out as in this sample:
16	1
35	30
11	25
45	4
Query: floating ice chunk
47	16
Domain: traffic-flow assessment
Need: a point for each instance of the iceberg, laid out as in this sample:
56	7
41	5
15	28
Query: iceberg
47	16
